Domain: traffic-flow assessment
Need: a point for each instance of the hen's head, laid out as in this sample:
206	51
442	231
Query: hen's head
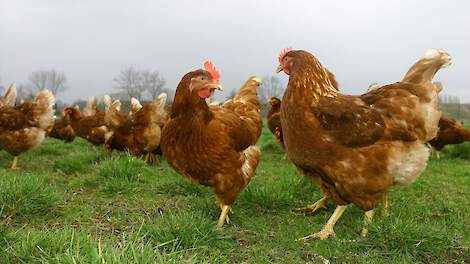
274	101
72	112
286	61
289	59
194	88
203	83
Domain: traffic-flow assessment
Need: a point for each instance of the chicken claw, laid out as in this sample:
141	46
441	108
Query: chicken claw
367	220
13	164
314	207
385	205
322	235
328	230
224	215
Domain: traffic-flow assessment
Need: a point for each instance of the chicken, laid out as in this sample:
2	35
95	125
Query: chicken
62	129
274	114
214	145
451	131
90	125
274	119
356	147
9	98
23	127
139	133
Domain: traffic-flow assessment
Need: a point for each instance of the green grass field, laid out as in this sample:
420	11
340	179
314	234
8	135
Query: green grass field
73	203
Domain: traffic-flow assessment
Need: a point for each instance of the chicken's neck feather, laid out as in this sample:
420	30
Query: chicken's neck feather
190	107
311	78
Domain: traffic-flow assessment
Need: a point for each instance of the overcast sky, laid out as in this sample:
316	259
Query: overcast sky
361	41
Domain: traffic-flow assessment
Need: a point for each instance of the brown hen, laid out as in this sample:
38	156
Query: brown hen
62	129
24	126
356	147
274	119
90	124
274	114
214	145
450	132
140	132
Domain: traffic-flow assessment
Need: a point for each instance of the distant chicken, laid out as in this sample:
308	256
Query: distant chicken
139	133
24	126
90	124
214	145
274	119
450	132
62	129
356	147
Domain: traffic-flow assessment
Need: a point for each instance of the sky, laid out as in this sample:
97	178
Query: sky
361	41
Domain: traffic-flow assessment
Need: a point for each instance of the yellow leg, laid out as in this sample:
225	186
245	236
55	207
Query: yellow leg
224	215
384	205
13	164
328	230
314	207
367	220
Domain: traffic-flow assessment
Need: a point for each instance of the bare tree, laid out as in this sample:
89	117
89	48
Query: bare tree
24	91
129	82
271	86
153	82
52	80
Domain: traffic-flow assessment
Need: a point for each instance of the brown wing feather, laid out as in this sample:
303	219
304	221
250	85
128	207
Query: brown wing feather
349	121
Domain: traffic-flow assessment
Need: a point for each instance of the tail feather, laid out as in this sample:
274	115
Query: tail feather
161	98
43	110
91	106
423	71
247	105
135	106
111	118
153	113
9	98
107	101
373	86
251	157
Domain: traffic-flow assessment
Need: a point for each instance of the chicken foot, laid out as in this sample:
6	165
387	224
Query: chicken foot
224	214
368	216
328	230
310	209
385	205
14	162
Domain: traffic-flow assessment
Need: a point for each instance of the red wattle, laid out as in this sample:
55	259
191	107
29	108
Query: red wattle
205	93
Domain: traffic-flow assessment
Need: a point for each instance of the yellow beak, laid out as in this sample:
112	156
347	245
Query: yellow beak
219	87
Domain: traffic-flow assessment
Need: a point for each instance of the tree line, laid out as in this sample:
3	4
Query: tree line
130	82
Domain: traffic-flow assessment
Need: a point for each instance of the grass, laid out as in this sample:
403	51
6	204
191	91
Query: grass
73	203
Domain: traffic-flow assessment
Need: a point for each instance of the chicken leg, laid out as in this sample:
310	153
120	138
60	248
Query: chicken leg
310	209
224	214
367	220
385	205
13	164
327	230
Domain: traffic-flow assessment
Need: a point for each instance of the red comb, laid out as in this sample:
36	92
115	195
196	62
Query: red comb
283	53
208	66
